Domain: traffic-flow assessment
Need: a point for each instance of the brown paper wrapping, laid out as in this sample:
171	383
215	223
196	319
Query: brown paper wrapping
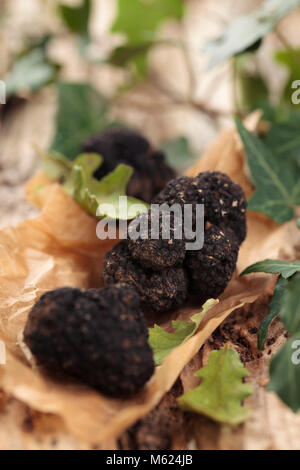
60	248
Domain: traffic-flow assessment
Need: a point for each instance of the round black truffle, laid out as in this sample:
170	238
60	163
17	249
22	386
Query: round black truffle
224	201
159	291
98	336
167	250
118	145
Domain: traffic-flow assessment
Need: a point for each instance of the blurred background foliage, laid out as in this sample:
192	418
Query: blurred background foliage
178	70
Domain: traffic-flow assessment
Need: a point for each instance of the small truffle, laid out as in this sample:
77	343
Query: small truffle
159	291
164	271
118	145
224	201
166	251
98	336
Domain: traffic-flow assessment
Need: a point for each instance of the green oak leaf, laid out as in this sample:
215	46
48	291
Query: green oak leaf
247	30
273	311
277	184
274	266
82	112
179	154
285	373
77	18
163	343
98	198
222	391
30	72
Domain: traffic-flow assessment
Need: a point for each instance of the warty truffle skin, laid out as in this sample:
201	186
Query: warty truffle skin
159	291
163	273
118	145
99	337
156	254
224	201
211	268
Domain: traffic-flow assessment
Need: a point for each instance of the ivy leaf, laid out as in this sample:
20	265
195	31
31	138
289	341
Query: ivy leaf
222	391
163	342
274	266
274	310
290	305
179	154
245	31
132	55
98	198
139	20
284	140
285	373
77	18
81	113
30	72
277	184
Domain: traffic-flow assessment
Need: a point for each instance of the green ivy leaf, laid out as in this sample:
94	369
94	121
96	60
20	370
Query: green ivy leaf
274	310
245	31
277	184
138	21
179	154
30	72
81	113
284	140
285	373
132	55
290	305
163	342
222	391
252	88
77	18
274	266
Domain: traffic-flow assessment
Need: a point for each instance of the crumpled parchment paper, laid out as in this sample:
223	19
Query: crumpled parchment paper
60	248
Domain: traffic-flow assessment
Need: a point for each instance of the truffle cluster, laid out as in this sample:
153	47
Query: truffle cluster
98	336
161	270
117	145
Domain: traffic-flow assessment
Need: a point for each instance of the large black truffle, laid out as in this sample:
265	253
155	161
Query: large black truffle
163	271
118	145
98	336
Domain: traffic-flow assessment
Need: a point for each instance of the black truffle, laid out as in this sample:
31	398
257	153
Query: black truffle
163	271
211	268
166	251
224	201
118	145
159	291
98	336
